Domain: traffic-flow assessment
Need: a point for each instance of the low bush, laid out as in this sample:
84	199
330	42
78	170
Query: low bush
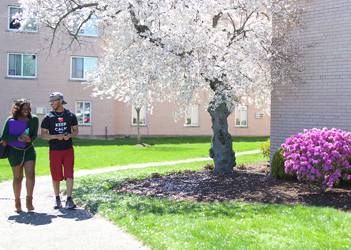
319	157
265	148
278	167
347	172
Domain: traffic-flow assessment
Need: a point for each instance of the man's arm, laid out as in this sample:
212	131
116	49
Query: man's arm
74	133
46	136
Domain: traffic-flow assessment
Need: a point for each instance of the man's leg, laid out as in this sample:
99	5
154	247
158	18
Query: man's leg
69	185
68	164
69	203
57	174
56	185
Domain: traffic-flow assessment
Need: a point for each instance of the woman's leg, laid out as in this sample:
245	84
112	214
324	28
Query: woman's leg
29	167
17	186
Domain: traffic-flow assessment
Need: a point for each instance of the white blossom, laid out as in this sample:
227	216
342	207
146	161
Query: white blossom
158	51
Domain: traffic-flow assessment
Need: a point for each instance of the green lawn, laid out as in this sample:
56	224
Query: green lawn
92	154
163	224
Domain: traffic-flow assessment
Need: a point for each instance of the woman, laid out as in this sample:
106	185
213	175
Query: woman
19	131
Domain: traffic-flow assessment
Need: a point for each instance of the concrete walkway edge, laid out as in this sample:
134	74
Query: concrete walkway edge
151	164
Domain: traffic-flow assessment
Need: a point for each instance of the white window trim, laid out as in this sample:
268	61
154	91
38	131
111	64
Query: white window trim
246	118
21	76
142	124
91	107
84	70
17	30
198	117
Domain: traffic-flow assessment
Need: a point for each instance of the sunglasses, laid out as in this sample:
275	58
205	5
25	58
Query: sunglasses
54	100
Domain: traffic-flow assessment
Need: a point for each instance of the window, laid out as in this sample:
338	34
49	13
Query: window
22	65
41	110
192	118
90	28
81	65
241	116
15	14
83	112
142	115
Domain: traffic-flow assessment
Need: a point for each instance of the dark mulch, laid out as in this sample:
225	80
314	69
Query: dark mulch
250	183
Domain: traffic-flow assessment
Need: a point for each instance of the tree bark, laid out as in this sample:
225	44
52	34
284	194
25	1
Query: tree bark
221	150
138	124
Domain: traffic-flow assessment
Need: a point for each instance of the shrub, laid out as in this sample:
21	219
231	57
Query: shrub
319	157
265	148
209	166
347	172
155	175
278	167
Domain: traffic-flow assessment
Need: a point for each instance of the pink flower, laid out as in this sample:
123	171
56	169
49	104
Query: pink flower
320	153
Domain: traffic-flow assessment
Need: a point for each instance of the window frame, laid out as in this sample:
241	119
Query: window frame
84	112
193	113
142	110
22	68
26	29
239	113
84	70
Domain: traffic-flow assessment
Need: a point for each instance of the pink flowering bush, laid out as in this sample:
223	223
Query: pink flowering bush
319	157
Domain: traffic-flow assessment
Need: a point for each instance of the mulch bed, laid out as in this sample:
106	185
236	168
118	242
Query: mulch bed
250	183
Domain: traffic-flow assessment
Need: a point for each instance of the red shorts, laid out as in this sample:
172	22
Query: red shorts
59	158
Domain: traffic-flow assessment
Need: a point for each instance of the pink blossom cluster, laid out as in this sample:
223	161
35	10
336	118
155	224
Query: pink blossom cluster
318	156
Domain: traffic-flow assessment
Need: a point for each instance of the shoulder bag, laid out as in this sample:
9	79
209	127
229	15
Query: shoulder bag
4	151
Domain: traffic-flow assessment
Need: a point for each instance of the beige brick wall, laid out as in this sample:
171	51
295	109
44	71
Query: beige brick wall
53	74
324	100
162	123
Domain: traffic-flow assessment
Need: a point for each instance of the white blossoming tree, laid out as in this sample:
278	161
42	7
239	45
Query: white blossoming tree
159	51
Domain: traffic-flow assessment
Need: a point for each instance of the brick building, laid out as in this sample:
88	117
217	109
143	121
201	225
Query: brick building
27	71
324	99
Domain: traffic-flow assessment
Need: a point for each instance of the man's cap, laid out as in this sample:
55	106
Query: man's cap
57	95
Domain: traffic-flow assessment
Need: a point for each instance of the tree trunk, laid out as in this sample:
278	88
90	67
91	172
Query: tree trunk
138	124
222	144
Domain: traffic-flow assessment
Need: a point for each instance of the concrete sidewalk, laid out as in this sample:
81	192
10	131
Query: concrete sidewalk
47	228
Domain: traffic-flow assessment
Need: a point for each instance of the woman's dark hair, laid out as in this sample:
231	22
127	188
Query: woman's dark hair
17	108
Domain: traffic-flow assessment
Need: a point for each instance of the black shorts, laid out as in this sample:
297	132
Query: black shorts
18	156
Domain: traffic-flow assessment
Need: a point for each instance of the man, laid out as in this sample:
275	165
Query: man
59	126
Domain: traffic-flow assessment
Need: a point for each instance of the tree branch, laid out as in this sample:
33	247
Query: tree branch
142	31
241	30
69	12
